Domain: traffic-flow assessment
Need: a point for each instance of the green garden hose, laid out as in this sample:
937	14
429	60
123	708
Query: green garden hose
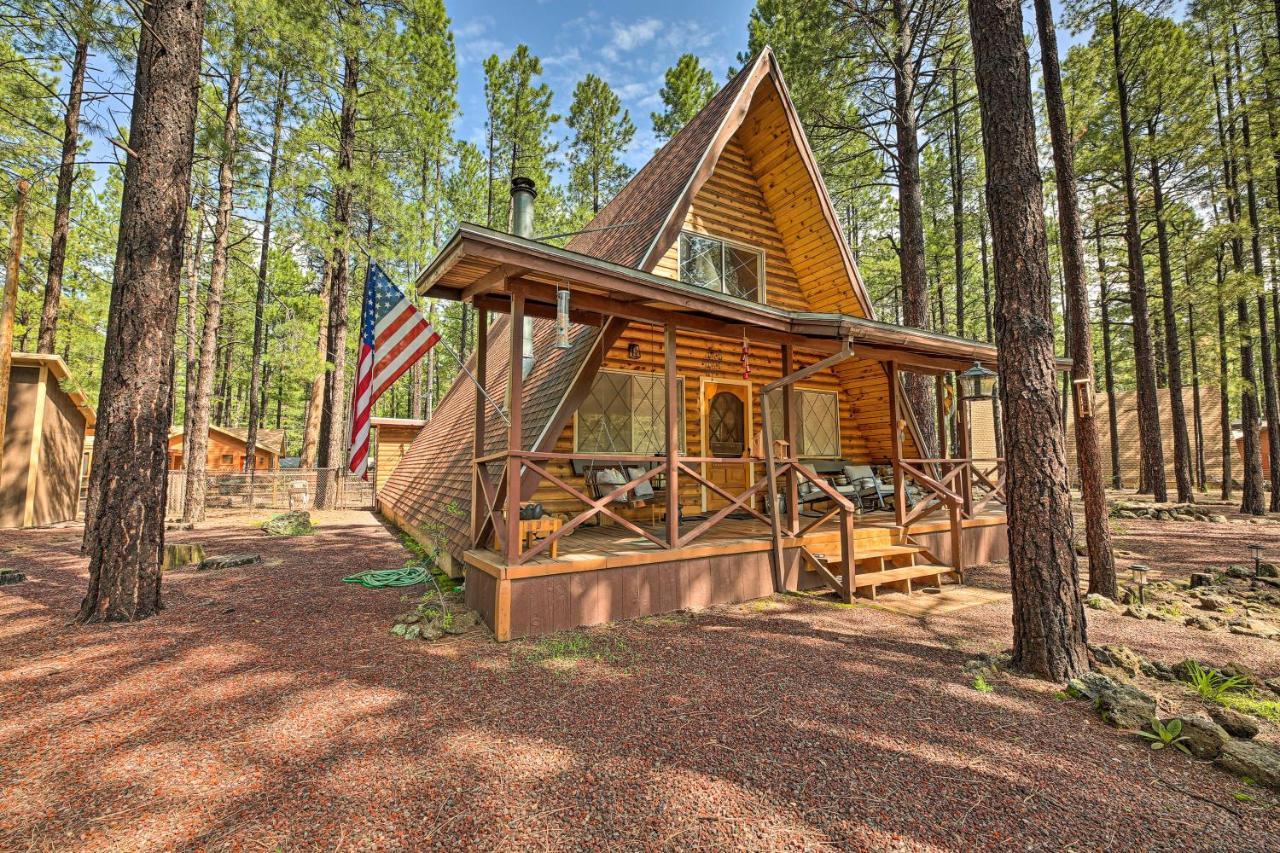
377	579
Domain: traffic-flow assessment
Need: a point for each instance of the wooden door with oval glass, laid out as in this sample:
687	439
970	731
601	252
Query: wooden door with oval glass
726	434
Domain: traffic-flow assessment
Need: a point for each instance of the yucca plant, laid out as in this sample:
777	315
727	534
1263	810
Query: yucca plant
1211	684
1166	734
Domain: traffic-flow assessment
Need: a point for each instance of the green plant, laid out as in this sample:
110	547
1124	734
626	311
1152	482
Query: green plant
1268	709
1211	684
981	684
1166	734
1244	797
573	646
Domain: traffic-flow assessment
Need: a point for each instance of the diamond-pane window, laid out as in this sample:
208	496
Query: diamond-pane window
817	423
626	413
720	266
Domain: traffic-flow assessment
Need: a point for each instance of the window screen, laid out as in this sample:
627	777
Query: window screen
719	266
817	422
626	413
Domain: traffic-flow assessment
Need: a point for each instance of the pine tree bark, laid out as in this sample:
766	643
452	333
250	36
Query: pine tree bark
911	248
125	537
333	414
257	397
1152	474
1102	567
1048	615
196	442
62	202
1197	415
1182	463
1224	394
315	399
192	366
1108	365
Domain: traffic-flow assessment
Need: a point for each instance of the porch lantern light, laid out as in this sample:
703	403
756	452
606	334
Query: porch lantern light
1140	580
978	382
1256	551
562	318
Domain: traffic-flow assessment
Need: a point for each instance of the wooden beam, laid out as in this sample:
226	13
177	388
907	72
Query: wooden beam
492	280
33	458
789	435
673	436
515	437
803	373
479	520
895	443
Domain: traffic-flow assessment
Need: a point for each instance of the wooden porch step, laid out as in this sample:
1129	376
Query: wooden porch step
903	573
886	551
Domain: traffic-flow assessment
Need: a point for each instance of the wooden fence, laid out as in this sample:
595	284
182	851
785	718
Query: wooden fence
271	490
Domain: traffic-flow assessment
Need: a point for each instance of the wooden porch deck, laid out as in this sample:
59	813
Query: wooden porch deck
612	546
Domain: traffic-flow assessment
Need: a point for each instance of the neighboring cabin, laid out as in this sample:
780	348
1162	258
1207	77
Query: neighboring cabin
43	443
227	449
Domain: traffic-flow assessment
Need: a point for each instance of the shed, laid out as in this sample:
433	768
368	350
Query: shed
392	437
43	443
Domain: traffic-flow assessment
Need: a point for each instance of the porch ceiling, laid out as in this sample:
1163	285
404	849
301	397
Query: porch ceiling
485	267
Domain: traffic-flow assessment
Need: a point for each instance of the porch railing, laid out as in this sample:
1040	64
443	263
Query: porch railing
963	488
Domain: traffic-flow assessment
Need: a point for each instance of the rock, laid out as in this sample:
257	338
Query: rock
8	576
296	523
1257	761
1101	602
178	525
1159	616
1218	518
1234	668
1136	611
1235	723
1122	705
430	631
1121	657
1204	623
1199	579
1158	671
1203	736
228	561
1272	684
1268	570
1238	572
1209	601
1253	628
409	618
461	623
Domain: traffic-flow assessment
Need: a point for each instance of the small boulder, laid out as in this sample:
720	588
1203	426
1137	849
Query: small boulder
1122	705
1259	762
228	561
289	524
1218	518
461	623
1204	623
1209	601
1268	570
1136	611
1236	724
1101	602
1204	737
1157	670
1199	579
411	617
1239	572
1120	657
8	576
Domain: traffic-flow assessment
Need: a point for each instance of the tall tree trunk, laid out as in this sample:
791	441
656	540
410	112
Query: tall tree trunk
315	398
1048	615
1102	567
1195	392
1108	365
333	415
125	537
1224	394
911	248
62	202
957	203
1148	402
192	366
1182	462
987	314
256	407
196	442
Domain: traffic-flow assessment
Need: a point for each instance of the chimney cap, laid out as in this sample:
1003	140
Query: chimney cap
521	183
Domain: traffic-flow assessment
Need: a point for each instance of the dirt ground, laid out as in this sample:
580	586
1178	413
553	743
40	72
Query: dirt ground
268	707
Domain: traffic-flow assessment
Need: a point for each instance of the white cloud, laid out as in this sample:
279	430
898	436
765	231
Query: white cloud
635	35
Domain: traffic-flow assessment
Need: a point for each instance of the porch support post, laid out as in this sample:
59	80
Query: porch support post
940	396
789	435
673	436
515	378
895	444
771	491
479	505
965	453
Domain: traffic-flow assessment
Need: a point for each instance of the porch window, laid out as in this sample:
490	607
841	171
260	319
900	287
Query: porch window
720	266
817	423
626	413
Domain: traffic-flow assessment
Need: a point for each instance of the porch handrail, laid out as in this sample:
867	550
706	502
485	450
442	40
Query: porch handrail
951	487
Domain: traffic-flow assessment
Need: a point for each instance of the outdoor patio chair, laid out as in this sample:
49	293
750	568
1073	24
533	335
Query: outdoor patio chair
865	486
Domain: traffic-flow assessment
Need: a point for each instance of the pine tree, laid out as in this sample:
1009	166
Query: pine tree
687	88
602	131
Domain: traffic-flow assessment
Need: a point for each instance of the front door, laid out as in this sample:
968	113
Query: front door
726	434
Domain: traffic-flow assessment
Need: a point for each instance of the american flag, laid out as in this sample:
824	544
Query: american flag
393	335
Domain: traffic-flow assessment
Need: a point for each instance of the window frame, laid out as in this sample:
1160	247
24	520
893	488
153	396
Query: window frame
631	377
780	427
758	251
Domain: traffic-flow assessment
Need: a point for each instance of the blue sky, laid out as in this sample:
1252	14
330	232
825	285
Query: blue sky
628	44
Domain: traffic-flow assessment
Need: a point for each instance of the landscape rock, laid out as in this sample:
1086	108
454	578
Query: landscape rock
1257	761
1272	684
1121	657
1268	570
461	623
1159	671
1238	572
1136	611
409	618
1204	737
1122	705
1235	723
228	561
296	523
1101	602
1218	518
1199	579
1253	628
1204	623
8	576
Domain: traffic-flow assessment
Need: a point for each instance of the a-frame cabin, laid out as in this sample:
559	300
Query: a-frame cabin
631	377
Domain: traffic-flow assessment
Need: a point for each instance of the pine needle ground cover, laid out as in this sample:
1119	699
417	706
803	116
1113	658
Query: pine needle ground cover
270	707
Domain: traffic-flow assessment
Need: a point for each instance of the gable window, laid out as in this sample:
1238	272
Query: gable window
817	423
626	413
722	267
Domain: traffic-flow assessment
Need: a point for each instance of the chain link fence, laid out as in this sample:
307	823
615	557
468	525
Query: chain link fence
288	488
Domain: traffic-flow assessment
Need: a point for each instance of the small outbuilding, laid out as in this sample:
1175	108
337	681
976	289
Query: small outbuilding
391	438
227	447
43	443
